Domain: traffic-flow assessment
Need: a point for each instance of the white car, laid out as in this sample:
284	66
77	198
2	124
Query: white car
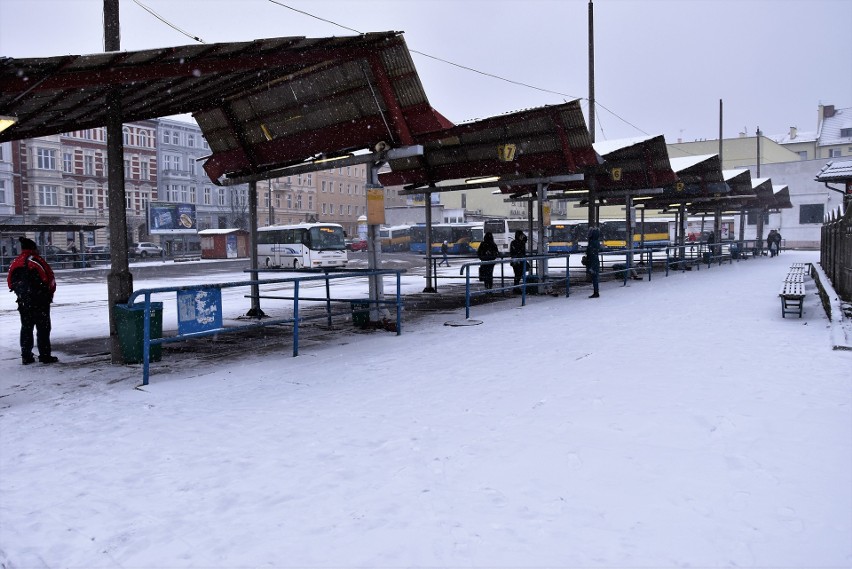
145	249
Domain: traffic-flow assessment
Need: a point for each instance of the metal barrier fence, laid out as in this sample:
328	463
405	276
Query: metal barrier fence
296	297
835	256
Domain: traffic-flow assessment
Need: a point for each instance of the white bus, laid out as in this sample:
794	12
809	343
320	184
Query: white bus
306	245
503	231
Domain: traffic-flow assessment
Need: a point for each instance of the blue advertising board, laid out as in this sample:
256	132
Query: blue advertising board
199	310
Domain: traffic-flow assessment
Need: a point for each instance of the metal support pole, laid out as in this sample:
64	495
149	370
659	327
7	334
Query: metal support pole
429	287
254	311
119	279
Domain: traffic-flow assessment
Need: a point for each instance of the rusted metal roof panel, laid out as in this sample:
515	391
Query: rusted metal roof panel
530	143
261	104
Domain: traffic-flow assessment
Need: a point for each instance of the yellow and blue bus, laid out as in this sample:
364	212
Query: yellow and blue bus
459	238
395	238
567	236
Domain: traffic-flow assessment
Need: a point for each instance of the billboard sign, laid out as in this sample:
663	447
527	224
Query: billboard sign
171	218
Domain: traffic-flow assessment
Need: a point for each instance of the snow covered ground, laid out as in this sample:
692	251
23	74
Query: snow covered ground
674	423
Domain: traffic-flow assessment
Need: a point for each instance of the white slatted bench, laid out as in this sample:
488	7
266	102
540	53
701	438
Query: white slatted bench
793	290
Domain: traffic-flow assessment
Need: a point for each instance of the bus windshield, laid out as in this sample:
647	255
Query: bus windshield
326	237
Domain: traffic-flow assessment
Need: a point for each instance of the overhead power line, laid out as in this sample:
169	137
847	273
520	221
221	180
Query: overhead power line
171	25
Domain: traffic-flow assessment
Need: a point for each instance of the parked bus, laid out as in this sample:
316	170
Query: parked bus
503	231
651	233
567	236
306	245
459	238
395	238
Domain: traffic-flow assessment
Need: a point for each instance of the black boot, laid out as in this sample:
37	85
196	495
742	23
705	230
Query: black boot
594	295
27	359
48	359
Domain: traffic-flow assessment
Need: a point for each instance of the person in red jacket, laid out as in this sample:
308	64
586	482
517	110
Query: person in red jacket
32	281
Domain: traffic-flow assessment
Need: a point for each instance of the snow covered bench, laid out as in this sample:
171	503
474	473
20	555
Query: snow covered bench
792	292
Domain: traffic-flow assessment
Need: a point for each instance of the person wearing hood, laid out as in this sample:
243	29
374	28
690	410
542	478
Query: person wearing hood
593	260
518	250
487	251
32	281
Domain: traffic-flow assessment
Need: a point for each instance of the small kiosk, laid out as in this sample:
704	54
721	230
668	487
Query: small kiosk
224	243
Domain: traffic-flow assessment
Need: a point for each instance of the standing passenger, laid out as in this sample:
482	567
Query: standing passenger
487	252
518	250
32	280
593	260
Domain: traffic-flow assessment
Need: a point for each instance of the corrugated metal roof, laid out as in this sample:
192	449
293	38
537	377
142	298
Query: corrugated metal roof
261	104
836	171
536	142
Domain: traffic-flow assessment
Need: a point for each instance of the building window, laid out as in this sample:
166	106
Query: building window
144	171
2	191
190	140
846	132
834	153
340	187
166	136
193	195
310	179
311	202
125	132
222	196
47	195
323	209
323	185
803	155
175	137
46	159
208	197
811	213
89	165
143	139
126	168
289	201
299	201
67	162
69	197
751	217
89	198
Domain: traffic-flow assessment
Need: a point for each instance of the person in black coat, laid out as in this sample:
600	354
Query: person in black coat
518	250
593	260
487	252
32	281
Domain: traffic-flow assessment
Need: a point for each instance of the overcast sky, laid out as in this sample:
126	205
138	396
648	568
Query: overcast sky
661	66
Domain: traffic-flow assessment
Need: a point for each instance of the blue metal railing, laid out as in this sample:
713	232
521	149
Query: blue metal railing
146	294
470	293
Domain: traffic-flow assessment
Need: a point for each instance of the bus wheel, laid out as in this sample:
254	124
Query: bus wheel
268	262
295	263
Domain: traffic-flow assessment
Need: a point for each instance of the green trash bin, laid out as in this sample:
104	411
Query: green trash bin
360	314
130	324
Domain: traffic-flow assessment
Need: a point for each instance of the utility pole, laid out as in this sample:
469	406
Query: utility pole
593	206
119	280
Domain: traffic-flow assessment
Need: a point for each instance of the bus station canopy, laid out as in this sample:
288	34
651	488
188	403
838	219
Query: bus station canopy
629	167
529	144
261	104
698	178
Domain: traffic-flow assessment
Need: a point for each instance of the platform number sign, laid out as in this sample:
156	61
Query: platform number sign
615	174
506	152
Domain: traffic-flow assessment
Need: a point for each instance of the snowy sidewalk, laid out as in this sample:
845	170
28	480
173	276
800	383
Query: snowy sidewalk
677	422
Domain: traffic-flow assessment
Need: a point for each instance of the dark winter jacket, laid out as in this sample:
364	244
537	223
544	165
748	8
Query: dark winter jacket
32	280
487	249
518	248
593	249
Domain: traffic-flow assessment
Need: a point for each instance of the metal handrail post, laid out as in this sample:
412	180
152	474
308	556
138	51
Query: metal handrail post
146	340
296	318
466	291
398	304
